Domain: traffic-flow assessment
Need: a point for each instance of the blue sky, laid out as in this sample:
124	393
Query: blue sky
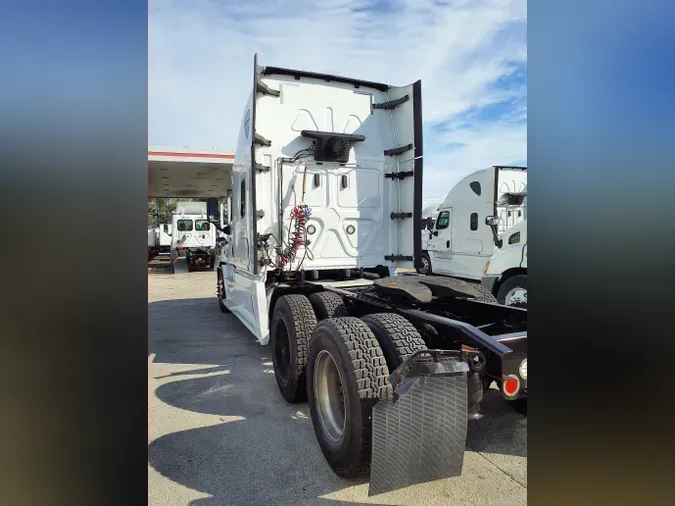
470	54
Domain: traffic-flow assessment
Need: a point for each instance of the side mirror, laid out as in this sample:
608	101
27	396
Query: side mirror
227	230
492	221
212	209
435	233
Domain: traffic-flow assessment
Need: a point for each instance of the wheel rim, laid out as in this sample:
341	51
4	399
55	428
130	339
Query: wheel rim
517	296
282	350
425	265
329	396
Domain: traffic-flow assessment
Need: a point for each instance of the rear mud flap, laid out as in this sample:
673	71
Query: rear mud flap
180	265
419	431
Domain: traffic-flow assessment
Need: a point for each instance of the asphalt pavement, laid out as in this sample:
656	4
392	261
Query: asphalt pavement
221	434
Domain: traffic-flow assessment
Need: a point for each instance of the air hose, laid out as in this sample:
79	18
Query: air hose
300	214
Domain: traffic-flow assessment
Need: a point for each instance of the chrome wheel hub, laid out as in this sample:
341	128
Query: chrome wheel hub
329	396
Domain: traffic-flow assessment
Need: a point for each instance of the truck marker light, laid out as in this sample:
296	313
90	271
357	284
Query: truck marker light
511	385
485	269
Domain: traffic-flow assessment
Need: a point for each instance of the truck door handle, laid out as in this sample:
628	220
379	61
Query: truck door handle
447	244
344	181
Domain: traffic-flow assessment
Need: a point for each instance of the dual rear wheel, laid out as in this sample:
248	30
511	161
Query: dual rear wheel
341	366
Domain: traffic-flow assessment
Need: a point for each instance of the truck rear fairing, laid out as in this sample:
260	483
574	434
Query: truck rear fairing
327	176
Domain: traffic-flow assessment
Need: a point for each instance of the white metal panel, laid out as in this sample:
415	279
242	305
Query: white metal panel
368	198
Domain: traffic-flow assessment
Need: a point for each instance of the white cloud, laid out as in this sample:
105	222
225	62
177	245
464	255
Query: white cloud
201	65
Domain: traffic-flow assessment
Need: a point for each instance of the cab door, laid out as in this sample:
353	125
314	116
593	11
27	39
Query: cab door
440	244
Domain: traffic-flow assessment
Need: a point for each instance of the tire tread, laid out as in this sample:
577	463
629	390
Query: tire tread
371	373
328	305
485	295
405	338
304	321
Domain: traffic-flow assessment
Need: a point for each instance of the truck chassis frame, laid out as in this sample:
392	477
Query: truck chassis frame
503	348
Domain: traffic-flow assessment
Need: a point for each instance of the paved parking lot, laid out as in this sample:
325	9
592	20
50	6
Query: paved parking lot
221	434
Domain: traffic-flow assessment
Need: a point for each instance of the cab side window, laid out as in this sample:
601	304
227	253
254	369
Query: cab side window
443	220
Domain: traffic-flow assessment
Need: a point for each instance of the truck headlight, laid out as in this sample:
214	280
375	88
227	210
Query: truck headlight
522	370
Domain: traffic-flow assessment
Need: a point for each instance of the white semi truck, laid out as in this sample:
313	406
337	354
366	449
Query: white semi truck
326	205
461	241
193	238
429	215
505	274
153	238
165	231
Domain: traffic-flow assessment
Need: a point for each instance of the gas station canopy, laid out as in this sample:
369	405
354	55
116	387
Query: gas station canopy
190	173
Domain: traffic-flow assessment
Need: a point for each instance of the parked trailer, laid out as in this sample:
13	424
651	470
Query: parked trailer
326	205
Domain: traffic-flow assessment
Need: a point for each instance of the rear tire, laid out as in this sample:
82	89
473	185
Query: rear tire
221	293
397	337
328	305
355	360
293	322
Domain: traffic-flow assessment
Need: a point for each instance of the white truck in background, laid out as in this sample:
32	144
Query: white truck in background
430	213
462	241
165	231
326	207
153	238
505	274
193	238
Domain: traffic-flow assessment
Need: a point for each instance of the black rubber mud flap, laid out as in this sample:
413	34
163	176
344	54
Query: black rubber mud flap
419	431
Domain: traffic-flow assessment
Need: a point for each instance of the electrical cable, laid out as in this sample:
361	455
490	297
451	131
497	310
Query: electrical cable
299	216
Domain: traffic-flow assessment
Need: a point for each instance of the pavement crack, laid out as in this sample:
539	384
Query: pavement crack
498	467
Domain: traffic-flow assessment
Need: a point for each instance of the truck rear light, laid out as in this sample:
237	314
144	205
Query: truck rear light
511	385
523	369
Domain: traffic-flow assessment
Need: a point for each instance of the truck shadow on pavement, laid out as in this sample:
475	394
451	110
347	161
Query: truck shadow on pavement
160	265
256	448
270	457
